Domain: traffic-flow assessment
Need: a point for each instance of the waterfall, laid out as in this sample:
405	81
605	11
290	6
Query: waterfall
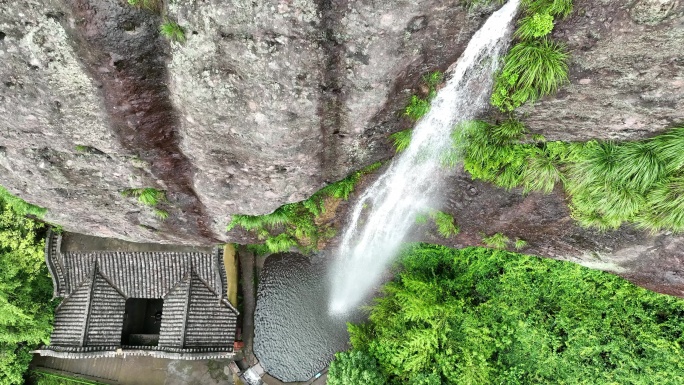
386	212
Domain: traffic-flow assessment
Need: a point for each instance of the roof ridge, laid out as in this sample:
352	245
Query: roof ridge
185	277
111	283
221	299
71	295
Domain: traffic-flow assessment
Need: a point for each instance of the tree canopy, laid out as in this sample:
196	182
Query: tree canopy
26	310
480	316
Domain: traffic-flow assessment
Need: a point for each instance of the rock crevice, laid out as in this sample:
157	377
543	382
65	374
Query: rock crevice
121	48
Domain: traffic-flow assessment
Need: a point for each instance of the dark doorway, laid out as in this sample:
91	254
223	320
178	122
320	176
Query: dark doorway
142	322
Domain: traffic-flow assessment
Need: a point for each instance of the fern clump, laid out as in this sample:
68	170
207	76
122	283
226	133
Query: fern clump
172	31
534	26
479	316
146	196
520	244
496	241
531	70
296	224
445	224
418	107
150	197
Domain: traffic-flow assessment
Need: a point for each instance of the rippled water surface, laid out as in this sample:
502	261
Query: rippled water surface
294	335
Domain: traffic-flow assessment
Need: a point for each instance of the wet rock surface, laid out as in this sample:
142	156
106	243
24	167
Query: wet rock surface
626	72
654	261
294	336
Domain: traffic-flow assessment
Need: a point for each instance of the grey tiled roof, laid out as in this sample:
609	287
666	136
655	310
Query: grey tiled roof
197	319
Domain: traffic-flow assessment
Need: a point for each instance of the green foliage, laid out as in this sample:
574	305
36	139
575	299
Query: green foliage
532	69
496	241
151	5
535	66
418	107
150	197
81	148
19	206
354	368
25	291
480	316
534	26
172	31
557	8
40	377
433	79
161	214
609	183
401	139
445	224
146	196
520	244
294	224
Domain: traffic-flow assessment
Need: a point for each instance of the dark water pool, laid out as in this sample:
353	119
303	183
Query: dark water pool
294	337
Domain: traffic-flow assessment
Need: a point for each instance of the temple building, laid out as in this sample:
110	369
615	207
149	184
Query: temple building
164	304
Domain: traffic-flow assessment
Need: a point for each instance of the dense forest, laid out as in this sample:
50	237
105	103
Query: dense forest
482	316
26	308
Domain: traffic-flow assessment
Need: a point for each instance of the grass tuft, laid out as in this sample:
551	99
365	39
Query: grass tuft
172	31
401	139
557	8
150	5
532	69
608	183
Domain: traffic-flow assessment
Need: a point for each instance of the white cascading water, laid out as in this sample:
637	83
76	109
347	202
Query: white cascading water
387	210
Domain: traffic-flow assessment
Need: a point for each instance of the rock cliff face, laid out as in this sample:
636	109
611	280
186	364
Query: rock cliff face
268	101
265	103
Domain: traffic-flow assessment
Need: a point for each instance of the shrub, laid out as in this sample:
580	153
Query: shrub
354	368
172	31
479	316
531	69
